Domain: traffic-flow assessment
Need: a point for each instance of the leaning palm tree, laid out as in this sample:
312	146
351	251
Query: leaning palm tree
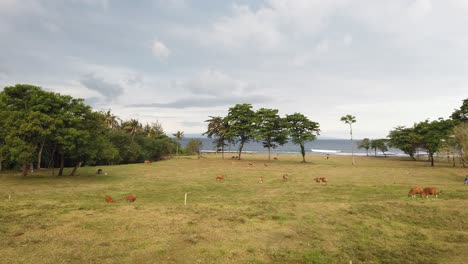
132	127
111	120
349	119
179	135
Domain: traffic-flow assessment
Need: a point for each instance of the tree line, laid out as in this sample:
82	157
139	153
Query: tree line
242	124
444	136
40	129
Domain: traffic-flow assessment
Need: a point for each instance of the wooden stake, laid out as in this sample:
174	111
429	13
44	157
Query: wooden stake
185	202
9	197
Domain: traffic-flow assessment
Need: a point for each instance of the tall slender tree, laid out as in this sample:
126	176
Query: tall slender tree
179	135
349	119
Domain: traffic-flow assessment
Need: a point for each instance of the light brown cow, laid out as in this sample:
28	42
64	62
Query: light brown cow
321	179
148	162
131	198
260	179
431	191
220	177
109	199
285	177
414	191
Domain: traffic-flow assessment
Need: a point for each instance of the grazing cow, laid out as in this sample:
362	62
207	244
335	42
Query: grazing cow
285	177
275	158
131	198
109	199
99	171
431	191
148	162
414	191
220	177
260	180
322	179
264	164
250	163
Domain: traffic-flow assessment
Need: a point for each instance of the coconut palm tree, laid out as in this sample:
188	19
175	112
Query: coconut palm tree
179	135
349	119
111	120
133	127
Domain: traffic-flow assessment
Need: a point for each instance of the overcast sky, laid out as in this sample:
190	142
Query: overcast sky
389	63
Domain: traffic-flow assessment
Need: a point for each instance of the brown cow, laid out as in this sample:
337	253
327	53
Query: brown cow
220	177
131	198
148	162
415	190
322	179
109	199
260	179
431	191
285	177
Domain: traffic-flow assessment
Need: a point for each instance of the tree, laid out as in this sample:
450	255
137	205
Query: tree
461	115
132	127
349	119
217	129
271	129
179	135
301	130
194	146
365	144
460	133
379	144
405	139
240	122
433	134
111	120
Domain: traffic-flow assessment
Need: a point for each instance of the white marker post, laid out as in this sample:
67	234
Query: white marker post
185	201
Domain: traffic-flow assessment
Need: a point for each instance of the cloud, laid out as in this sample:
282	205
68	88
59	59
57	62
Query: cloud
213	82
160	50
206	102
108	90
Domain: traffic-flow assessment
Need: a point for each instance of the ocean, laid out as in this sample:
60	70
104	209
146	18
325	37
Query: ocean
316	147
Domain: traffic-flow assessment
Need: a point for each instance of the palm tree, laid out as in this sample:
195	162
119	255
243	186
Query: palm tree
133	127
179	135
349	119
111	120
217	128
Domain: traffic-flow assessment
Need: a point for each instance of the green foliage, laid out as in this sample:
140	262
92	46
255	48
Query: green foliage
35	123
301	130
405	139
460	133
217	130
194	146
271	129
241	123
432	135
365	144
379	144
461	115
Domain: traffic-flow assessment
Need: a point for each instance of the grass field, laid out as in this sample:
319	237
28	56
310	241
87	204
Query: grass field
363	214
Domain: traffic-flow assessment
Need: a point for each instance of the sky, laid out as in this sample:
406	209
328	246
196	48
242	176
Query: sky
177	62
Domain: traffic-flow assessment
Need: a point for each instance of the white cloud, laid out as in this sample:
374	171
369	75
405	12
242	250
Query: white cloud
214	82
160	50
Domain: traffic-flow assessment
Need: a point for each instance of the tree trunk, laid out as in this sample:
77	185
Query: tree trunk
453	161
1	161
75	168
269	159
25	169
222	150
39	154
431	156
62	164
303	153
240	149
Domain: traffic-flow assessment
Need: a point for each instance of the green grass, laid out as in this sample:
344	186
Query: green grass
363	214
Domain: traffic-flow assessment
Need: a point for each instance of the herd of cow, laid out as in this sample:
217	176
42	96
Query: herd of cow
423	192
